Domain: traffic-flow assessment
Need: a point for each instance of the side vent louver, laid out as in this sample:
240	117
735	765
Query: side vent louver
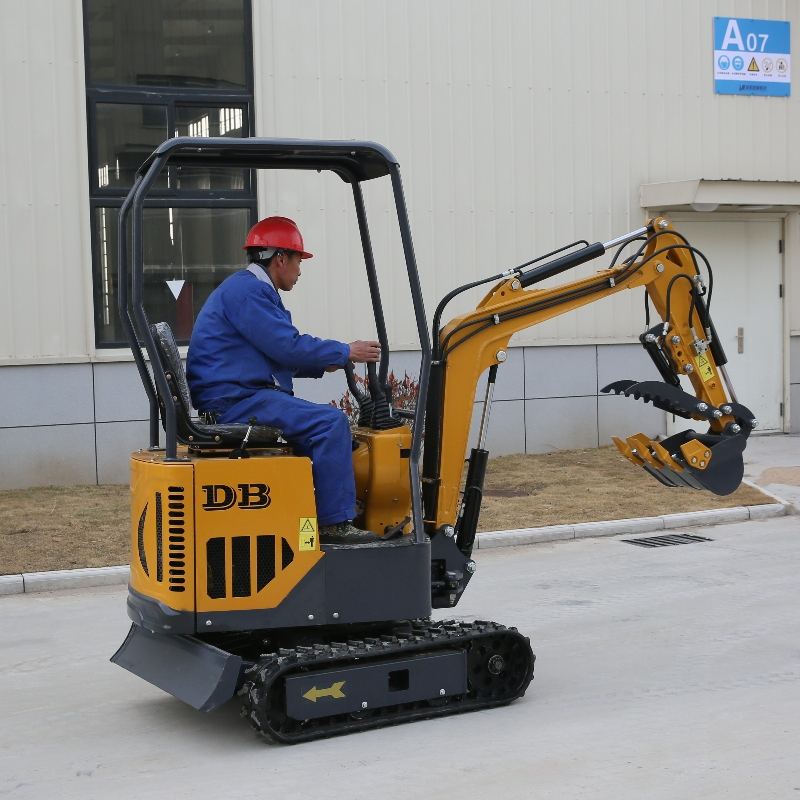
265	559
215	557
240	554
236	579
140	541
159	539
176	538
287	556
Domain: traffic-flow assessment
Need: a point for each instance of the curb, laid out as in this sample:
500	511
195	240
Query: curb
617	527
110	576
792	508
63	579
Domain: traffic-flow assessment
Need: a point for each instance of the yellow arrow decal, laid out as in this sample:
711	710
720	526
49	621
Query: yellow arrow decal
334	691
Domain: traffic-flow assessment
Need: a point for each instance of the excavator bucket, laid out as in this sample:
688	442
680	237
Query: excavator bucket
711	460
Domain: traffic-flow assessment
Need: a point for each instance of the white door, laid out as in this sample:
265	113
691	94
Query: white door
746	307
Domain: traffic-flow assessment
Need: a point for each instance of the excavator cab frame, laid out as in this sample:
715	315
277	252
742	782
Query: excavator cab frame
354	162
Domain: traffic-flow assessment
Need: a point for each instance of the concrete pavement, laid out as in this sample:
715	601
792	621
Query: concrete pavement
773	463
661	673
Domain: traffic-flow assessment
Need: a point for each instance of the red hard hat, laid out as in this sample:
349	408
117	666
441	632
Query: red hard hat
279	232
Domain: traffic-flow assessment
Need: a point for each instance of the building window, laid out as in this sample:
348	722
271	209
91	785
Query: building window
156	69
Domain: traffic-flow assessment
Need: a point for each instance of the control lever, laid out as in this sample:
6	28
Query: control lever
382	417
365	403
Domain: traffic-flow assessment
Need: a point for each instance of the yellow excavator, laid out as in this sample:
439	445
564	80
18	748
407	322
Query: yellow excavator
232	593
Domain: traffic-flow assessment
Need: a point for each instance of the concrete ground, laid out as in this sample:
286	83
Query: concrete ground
773	463
662	673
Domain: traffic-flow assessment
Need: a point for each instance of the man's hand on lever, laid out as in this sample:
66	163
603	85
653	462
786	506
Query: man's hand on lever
360	353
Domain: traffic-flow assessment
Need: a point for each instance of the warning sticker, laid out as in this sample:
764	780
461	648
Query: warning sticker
753	66
307	530
704	368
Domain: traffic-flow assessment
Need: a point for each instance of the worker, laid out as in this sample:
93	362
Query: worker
244	352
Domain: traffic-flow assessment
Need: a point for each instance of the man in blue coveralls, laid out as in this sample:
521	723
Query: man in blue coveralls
244	352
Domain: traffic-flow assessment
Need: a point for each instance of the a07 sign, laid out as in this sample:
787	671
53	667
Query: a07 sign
752	56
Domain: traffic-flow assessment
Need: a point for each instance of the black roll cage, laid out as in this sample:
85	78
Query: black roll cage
354	162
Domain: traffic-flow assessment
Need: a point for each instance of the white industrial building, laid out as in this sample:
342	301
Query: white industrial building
519	125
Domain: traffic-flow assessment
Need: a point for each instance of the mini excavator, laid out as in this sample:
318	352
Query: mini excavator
232	593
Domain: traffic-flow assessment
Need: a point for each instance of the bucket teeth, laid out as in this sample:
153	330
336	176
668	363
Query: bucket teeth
637	449
670	466
688	459
641	444
627	451
653	459
662	454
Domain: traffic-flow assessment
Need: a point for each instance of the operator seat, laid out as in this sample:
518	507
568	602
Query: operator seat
192	431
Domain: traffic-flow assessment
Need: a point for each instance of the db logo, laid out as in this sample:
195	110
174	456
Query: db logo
220	496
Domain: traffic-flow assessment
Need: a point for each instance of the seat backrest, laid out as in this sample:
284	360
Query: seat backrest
193	432
173	366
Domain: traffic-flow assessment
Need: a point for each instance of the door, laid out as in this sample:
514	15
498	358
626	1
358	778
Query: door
746	307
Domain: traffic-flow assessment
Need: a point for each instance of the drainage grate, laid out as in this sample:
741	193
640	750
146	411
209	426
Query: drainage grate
665	541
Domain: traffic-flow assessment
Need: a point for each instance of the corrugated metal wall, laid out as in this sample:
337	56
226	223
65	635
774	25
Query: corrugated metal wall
45	263
520	126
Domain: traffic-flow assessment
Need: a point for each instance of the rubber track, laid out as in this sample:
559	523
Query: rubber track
263	691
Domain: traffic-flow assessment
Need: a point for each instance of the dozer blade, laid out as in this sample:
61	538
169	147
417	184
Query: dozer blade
198	673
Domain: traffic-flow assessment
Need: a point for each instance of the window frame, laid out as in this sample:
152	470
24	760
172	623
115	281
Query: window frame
169	101
247	16
171	97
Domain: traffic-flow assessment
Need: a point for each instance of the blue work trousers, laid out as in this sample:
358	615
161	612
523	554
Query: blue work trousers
318	431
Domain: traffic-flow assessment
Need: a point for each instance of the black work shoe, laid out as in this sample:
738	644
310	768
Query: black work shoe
346	533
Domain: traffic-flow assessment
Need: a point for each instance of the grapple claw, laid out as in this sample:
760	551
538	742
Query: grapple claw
671	399
711	460
618	387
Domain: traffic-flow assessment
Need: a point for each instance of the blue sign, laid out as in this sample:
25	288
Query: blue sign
752	56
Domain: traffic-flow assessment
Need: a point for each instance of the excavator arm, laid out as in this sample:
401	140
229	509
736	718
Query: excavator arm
683	343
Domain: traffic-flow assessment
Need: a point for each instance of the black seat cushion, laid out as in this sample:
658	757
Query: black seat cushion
191	430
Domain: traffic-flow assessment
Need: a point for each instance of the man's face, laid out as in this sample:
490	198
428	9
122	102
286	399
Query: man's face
287	271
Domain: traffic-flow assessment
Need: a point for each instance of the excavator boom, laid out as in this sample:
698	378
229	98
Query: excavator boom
684	343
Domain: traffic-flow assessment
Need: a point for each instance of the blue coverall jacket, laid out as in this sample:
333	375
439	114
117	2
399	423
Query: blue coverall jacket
244	341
